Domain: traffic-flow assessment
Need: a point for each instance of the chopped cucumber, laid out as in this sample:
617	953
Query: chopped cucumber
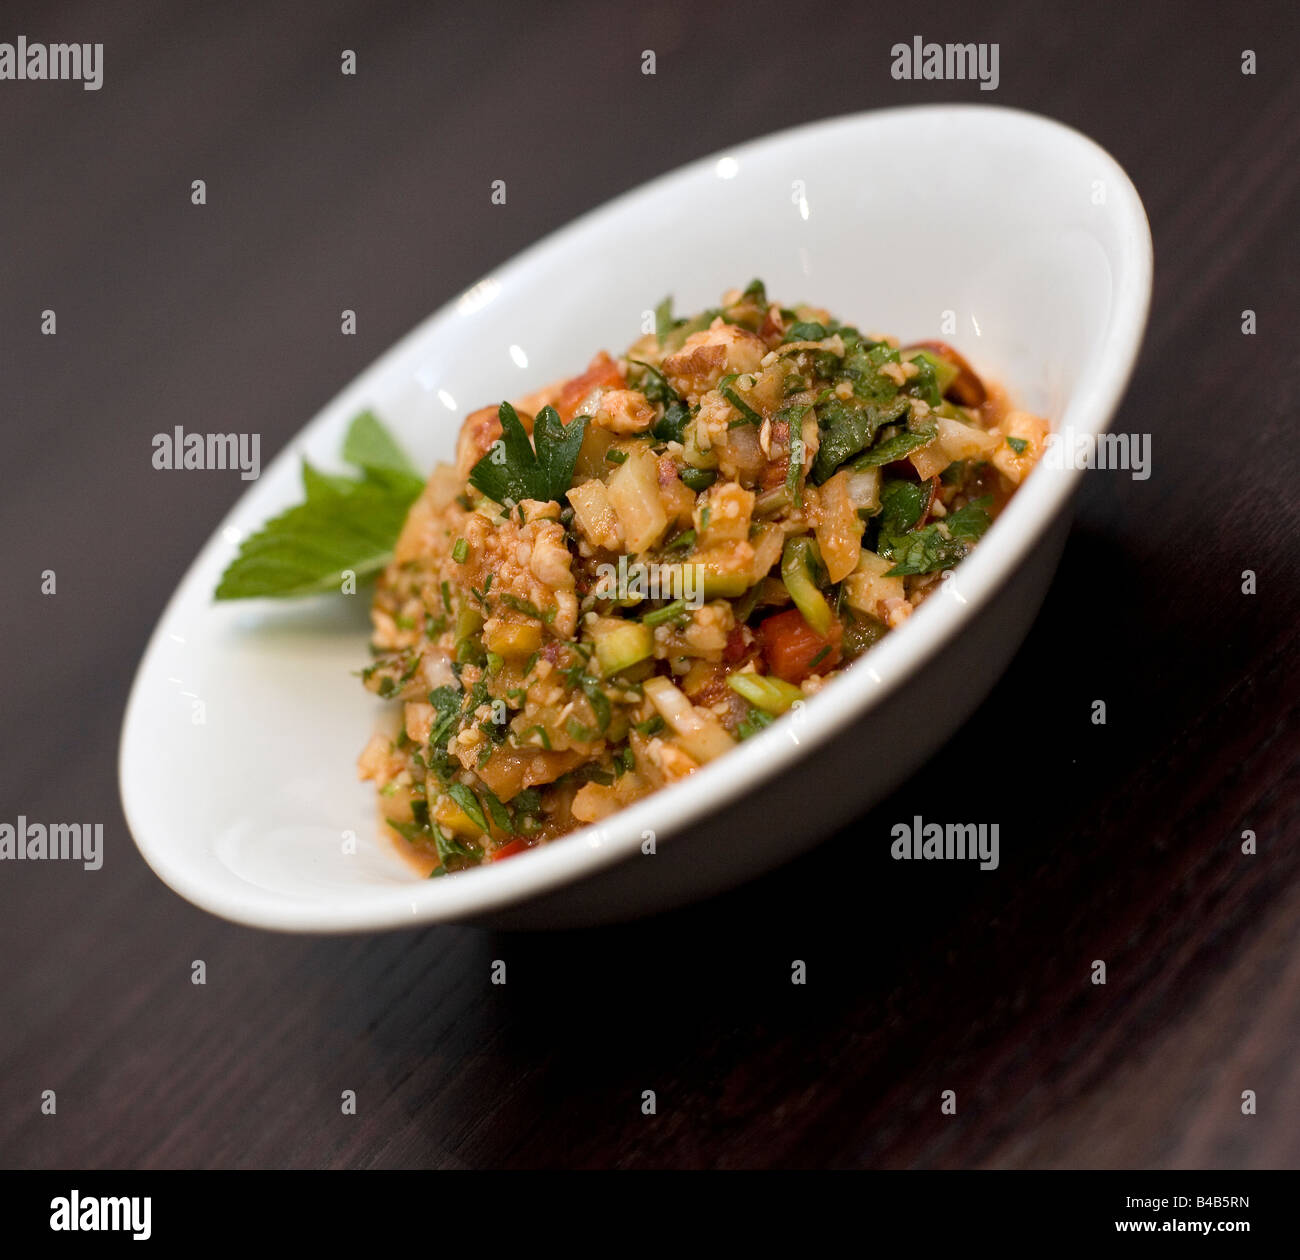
620	644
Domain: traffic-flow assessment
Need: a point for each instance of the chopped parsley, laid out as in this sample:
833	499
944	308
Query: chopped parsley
698	479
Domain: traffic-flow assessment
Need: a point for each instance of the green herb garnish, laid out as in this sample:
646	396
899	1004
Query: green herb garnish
500	815
469	804
748	414
849	427
671	426
345	525
512	470
521	606
655	386
675	611
897	447
940	545
698	479
756	720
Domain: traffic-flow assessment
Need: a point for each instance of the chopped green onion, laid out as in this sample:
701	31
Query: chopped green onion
669	612
765	692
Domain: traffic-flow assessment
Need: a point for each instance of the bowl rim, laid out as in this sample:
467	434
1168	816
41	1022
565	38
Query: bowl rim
590	849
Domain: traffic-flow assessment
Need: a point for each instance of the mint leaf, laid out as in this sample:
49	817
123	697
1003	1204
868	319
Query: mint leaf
849	427
512	470
902	503
316	483
370	447
345	524
896	447
306	550
469	804
862	366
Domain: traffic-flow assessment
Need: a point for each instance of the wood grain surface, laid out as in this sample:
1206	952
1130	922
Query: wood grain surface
1120	842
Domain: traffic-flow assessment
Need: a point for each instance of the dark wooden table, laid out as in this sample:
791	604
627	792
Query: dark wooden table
1119	842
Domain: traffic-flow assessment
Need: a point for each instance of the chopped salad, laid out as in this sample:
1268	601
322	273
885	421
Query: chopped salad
627	574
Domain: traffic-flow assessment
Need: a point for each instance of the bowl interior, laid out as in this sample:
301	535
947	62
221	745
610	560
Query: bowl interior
244	725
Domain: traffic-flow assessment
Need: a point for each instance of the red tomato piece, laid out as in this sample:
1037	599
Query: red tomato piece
602	373
793	649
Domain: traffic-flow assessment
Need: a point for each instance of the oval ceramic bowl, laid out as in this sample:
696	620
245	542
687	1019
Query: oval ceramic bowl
1032	255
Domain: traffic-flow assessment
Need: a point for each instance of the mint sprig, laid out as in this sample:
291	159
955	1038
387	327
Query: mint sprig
345	524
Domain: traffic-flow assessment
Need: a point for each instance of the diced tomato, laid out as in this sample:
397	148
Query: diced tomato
601	373
740	640
509	850
791	646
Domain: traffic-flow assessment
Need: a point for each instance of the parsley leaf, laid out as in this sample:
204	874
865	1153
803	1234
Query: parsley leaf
902	504
513	471
925	551
970	522
942	544
671	426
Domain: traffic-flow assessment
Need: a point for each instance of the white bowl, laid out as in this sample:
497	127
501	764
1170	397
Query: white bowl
239	743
